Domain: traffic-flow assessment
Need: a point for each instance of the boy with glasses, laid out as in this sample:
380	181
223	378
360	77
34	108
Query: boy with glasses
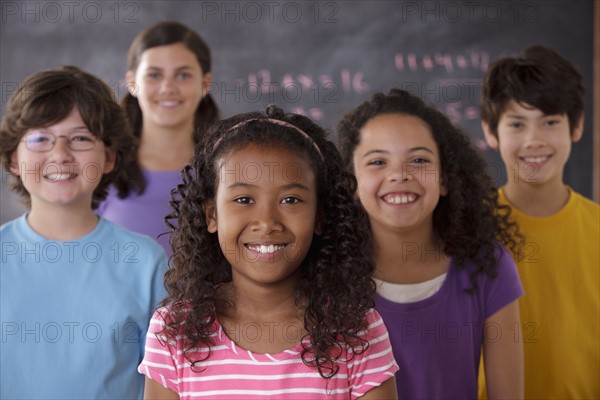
77	291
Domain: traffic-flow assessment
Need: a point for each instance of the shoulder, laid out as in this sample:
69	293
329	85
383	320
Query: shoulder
506	286
8	228
145	244
13	229
503	257
374	324
587	206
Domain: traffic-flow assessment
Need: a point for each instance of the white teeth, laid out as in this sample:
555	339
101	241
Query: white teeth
262	249
168	103
401	198
535	160
59	177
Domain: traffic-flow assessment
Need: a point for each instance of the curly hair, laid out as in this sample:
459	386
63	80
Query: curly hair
335	274
469	221
48	97
163	34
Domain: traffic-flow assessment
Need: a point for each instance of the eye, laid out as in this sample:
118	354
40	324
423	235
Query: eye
552	122
516	125
38	138
243	200
84	138
376	163
184	75
419	160
153	75
290	200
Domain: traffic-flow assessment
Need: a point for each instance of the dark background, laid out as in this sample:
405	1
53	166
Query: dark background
317	58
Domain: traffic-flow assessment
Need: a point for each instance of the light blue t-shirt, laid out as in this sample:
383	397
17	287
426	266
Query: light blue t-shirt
74	314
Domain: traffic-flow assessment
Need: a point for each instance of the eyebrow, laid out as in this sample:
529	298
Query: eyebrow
289	186
75	129
411	150
516	116
176	69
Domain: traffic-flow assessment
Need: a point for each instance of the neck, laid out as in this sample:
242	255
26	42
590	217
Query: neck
62	223
259	303
537	200
408	256
166	148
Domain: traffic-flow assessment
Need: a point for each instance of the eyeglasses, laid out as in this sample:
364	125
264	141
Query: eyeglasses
38	141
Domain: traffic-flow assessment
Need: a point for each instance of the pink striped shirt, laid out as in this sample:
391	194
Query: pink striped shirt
234	373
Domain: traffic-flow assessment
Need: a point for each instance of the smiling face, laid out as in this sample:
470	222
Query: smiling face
534	146
169	84
264	213
397	165
61	176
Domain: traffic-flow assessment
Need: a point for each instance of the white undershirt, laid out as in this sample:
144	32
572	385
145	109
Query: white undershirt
409	293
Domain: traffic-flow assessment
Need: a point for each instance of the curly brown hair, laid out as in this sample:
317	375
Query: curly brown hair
335	274
469	221
48	97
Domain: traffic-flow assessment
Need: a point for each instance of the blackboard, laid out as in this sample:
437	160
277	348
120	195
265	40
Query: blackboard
318	58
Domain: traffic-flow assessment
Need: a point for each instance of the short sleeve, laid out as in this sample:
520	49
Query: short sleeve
159	356
375	365
505	287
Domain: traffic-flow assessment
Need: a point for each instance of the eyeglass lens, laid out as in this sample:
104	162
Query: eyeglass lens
44	141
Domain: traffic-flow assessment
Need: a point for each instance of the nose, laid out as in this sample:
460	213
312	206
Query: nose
266	219
403	172
61	153
168	85
535	138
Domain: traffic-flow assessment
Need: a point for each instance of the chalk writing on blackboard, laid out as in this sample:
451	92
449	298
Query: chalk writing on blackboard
478	60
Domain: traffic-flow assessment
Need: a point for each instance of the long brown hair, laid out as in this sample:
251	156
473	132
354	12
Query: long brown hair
162	34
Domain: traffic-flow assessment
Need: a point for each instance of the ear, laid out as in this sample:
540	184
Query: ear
490	138
578	130
210	210
206	82
131	85
443	188
14	164
110	158
319	220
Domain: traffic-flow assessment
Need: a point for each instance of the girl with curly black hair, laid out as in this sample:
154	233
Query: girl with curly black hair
270	294
445	285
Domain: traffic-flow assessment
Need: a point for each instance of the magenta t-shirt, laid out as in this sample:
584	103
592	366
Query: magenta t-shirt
437	341
144	213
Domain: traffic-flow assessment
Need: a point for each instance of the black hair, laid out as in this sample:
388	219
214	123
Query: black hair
469	221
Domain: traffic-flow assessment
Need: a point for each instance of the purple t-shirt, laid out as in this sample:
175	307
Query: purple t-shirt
437	341
144	213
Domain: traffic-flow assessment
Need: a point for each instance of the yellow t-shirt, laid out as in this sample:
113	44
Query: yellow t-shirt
560	311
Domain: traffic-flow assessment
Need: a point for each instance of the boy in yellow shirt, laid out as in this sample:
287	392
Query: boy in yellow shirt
531	111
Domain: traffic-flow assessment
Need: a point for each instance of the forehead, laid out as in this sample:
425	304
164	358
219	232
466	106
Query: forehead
264	165
73	120
516	109
175	55
389	130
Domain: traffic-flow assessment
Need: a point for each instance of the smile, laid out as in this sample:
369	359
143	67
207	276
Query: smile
535	160
59	177
266	249
404	198
169	103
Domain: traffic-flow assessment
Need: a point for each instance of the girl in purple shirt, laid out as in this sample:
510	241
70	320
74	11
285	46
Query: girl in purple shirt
168	107
446	287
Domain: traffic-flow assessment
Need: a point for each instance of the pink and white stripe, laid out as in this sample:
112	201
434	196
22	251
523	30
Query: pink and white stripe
234	373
